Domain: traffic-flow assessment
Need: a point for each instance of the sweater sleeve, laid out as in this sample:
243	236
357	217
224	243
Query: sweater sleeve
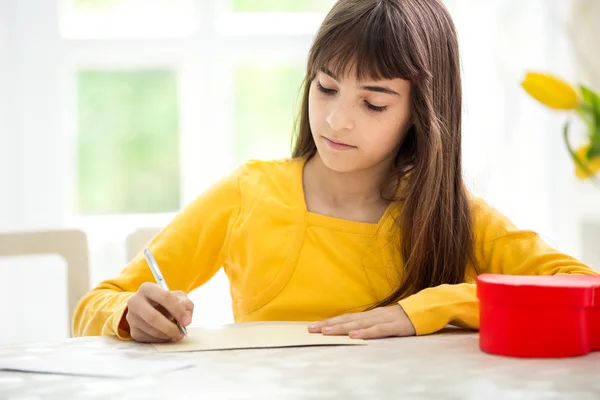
500	248
189	251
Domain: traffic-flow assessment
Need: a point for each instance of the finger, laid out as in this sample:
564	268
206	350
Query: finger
378	331
184	300
346	328
158	321
167	315
142	337
137	323
168	300
164	312
318	326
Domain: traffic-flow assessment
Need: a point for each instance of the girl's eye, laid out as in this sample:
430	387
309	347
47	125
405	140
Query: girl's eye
325	90
375	108
328	91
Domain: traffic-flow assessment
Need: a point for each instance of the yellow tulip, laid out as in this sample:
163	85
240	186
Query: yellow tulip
550	91
591	166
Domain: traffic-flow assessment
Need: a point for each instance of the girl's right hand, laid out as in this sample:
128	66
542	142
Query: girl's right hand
150	313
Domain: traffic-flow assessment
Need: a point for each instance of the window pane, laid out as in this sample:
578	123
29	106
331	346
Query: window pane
281	6
265	101
110	5
127	18
128	142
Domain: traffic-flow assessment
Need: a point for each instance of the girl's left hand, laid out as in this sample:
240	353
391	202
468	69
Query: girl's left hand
378	323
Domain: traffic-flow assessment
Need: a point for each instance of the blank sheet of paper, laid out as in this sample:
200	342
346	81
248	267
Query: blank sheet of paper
110	366
253	335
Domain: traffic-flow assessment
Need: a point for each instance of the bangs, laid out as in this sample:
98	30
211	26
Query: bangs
374	41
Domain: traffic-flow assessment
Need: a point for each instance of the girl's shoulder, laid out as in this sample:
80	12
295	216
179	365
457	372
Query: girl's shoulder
487	218
278	178
283	168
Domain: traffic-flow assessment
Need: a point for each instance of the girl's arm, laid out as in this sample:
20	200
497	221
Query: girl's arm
500	248
189	251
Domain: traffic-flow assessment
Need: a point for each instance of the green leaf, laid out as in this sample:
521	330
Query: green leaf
586	113
589	111
590	97
594	150
569	149
591	102
576	159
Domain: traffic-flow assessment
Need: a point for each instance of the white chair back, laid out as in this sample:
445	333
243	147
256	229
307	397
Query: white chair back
137	240
71	245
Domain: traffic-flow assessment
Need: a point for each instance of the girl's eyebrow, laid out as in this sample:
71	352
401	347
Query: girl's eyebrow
372	88
380	89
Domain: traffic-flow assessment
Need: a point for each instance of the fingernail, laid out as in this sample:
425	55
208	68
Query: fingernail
327	329
313	326
186	319
354	333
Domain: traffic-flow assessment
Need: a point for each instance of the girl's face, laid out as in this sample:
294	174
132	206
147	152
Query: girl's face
358	125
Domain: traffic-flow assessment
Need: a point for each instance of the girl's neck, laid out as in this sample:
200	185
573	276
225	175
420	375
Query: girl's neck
346	189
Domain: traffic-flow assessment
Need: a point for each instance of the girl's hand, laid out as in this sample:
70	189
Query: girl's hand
377	323
150	313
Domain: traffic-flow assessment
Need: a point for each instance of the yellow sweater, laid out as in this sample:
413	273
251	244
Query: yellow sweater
285	263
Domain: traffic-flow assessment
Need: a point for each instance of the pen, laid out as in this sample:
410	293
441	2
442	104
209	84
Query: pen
160	280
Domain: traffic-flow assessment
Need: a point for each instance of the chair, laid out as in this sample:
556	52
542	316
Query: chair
71	245
137	240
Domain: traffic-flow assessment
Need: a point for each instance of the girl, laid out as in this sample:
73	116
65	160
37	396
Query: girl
368	229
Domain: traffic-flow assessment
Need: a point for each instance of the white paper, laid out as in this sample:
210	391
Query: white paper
253	335
108	366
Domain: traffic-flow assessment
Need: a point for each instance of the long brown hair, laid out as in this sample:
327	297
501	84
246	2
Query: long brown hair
413	40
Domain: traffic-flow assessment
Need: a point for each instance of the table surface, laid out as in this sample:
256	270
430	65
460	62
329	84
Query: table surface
447	365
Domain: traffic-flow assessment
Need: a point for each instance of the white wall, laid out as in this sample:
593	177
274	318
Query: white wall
30	113
574	51
5	185
35	102
501	124
31	187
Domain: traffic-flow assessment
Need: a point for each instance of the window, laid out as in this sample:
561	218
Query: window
266	99
94	19
128	142
270	17
158	120
281	6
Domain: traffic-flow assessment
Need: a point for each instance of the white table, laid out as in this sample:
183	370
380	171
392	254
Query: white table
442	366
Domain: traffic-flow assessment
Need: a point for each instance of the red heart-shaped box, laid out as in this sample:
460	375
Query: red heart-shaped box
539	316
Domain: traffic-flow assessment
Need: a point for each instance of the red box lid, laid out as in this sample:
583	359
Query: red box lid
528	290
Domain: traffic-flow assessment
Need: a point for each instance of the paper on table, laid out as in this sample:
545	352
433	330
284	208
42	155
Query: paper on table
253	335
109	366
